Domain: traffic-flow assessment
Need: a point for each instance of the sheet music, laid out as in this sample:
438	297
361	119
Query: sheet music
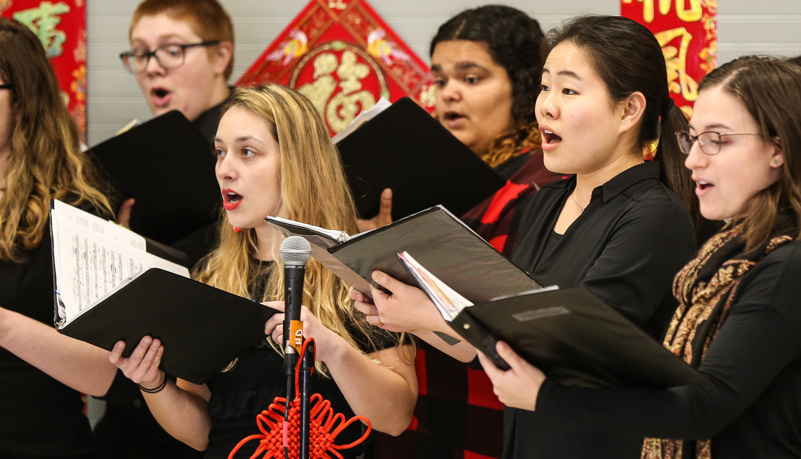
93	256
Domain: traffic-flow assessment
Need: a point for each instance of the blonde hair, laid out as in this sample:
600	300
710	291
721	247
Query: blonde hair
45	161
314	190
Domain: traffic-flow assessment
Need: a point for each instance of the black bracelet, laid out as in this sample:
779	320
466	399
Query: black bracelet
156	389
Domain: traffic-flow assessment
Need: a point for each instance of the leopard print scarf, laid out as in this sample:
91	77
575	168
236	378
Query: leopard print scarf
705	289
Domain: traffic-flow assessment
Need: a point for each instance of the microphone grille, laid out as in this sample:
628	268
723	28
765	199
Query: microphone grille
295	251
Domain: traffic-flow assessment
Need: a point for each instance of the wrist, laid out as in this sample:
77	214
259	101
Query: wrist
157	388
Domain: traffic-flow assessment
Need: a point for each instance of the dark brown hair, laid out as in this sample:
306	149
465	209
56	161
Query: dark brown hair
628	58
514	41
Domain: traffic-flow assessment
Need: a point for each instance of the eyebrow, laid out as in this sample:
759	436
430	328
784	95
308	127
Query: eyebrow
710	127
461	66
567	73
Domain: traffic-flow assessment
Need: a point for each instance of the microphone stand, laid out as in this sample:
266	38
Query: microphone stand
306	366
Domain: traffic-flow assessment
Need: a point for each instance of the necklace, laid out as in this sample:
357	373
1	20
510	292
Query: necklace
581	209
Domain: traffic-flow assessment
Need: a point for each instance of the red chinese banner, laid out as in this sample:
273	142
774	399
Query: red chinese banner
687	31
343	57
61	26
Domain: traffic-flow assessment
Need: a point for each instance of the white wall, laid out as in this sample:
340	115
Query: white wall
745	27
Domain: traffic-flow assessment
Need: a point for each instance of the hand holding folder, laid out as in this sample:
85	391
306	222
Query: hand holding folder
571	335
113	284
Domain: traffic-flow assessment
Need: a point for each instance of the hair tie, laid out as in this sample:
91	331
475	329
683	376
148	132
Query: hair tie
667	107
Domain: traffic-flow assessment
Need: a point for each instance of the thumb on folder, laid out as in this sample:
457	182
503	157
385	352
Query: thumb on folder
517	387
384	216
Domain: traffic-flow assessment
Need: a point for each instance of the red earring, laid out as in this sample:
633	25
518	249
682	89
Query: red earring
237	229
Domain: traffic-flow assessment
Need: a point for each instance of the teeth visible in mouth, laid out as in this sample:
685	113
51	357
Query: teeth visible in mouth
232	197
703	184
550	136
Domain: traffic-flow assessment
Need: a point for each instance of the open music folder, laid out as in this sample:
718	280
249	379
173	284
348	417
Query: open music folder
113	284
404	148
571	335
437	237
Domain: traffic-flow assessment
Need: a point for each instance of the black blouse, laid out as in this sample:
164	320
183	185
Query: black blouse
626	246
751	404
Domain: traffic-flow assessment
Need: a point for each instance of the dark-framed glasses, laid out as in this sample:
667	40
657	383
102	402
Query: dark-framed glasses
7	86
709	141
170	56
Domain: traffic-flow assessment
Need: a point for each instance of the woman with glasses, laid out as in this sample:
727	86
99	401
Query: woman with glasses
739	319
615	227
182	56
42	372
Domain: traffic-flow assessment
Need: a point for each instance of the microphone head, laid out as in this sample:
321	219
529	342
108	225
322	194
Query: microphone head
295	251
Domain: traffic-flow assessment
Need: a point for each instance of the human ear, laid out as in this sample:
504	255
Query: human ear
225	51
777	159
631	110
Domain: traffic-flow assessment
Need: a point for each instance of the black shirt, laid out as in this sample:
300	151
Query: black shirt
38	415
626	246
751	404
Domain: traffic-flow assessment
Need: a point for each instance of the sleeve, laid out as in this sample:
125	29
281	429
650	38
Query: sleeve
649	245
760	338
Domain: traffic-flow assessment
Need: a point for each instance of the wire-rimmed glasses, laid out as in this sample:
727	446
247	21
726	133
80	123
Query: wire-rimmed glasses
708	140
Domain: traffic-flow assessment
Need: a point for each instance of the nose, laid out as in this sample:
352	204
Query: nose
546	106
696	159
449	91
153	66
225	169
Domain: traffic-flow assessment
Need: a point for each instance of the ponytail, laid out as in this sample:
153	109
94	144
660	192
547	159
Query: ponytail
674	174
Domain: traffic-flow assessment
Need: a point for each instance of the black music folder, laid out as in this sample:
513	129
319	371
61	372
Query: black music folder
168	167
571	335
406	149
202	328
113	284
435	236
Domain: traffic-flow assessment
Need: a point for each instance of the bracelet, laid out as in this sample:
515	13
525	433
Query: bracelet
156	389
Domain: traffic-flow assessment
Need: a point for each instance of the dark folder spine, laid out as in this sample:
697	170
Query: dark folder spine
475	333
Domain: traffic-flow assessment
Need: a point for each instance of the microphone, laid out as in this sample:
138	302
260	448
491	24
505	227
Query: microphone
295	251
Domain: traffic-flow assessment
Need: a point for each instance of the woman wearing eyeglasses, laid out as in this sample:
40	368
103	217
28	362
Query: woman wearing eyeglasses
739	319
182	56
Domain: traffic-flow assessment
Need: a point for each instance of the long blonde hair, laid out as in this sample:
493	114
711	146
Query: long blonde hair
45	161
314	190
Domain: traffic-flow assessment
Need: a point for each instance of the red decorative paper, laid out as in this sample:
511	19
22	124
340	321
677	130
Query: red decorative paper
61	26
343	57
687	31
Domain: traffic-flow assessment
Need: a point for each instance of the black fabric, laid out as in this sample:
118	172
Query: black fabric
257	378
750	406
127	428
39	416
626	246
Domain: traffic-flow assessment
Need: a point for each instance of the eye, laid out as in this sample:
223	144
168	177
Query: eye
544	88
440	82
248	153
472	79
568	92
219	153
172	50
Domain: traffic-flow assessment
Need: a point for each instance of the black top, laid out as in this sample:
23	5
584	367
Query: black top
38	415
257	378
751	403
631	239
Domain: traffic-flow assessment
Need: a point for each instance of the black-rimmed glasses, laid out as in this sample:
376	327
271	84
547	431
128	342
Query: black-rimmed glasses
169	56
6	86
709	140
